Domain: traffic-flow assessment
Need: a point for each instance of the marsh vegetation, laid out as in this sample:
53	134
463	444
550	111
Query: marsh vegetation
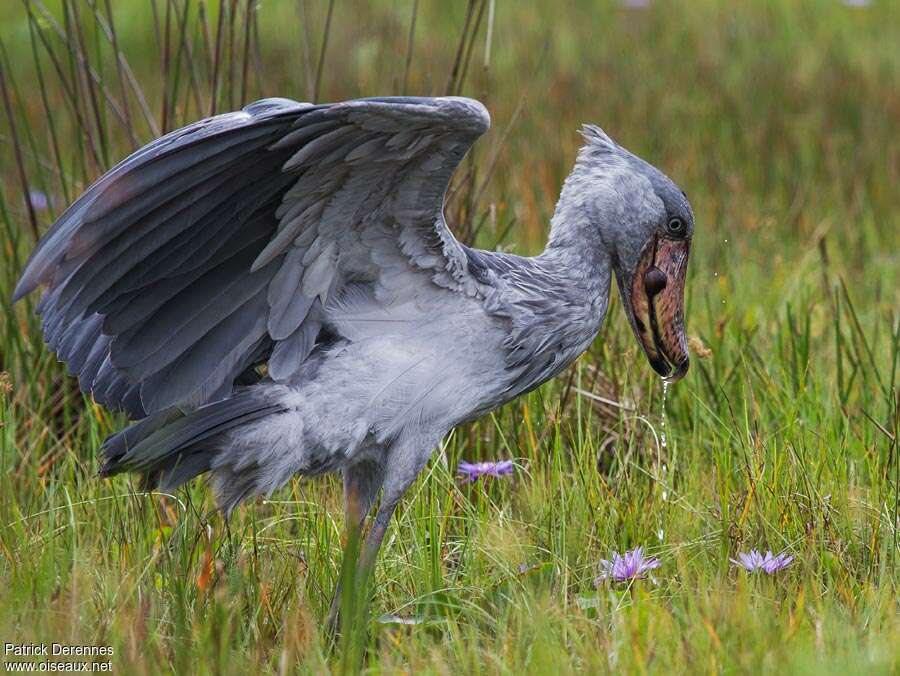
779	120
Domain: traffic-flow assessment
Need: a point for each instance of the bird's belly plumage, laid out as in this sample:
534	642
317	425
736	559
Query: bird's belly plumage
393	380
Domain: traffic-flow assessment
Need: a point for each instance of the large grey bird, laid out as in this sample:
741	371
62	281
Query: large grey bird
311	239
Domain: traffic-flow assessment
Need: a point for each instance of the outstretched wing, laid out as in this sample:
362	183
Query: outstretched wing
217	246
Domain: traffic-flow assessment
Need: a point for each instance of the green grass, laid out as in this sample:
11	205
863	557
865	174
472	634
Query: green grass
779	120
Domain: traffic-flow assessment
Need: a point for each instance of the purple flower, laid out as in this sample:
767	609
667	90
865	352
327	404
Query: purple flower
630	566
769	563
39	201
471	471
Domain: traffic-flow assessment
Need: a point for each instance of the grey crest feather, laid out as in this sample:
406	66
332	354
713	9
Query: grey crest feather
597	138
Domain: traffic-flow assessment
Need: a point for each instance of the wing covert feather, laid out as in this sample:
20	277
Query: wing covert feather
221	244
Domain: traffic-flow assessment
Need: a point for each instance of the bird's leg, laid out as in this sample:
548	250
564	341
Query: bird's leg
402	464
361	485
351	595
376	535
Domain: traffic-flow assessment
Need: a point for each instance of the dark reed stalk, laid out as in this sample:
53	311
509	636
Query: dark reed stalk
320	67
17	147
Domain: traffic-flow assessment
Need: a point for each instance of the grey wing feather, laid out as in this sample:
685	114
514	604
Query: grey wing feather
221	244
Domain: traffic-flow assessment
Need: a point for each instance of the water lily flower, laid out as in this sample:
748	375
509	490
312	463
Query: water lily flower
632	565
471	471
769	563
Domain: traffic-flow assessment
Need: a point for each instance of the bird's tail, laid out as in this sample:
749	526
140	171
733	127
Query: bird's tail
170	448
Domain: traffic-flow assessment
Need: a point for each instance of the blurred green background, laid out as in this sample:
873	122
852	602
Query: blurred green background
780	121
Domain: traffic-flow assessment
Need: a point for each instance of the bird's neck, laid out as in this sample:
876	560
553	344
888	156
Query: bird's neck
576	272
575	252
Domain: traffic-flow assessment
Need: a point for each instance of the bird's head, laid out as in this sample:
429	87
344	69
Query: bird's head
643	220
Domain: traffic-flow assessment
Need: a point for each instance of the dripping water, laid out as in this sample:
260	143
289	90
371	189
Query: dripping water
663	442
664	397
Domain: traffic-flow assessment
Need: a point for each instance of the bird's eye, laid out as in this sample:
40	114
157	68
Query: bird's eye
675	226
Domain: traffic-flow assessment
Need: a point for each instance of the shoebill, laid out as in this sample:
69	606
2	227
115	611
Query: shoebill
275	291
